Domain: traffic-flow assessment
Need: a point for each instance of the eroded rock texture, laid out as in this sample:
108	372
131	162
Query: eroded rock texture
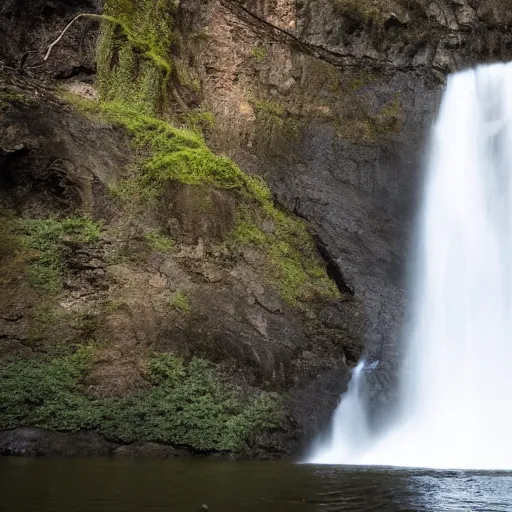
330	101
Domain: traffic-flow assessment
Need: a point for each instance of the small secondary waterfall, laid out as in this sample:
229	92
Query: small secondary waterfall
456	383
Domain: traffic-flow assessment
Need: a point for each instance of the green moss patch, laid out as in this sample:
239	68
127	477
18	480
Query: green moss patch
259	53
180	302
187	403
160	242
176	154
134	61
295	268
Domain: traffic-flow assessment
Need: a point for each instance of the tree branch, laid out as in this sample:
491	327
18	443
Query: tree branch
68	26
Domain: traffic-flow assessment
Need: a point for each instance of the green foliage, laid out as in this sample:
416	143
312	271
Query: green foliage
134	192
246	231
299	275
180	301
44	238
8	95
187	404
43	392
294	266
270	115
271	107
198	120
159	242
165	369
259	52
177	154
134	61
196	167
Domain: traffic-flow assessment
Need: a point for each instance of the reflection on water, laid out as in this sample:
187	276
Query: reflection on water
138	485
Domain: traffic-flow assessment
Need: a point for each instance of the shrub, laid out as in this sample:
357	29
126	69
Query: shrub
187	404
44	392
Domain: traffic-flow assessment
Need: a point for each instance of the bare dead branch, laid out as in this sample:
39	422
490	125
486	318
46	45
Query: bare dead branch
68	26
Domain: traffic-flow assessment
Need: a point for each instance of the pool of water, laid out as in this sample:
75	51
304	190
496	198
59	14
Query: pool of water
143	485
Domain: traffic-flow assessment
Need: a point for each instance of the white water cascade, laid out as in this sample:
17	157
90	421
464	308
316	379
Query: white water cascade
456	383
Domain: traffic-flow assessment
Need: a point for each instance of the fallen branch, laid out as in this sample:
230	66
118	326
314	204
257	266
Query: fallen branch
83	15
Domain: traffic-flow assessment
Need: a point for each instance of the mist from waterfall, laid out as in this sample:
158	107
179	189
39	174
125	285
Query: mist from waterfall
455	406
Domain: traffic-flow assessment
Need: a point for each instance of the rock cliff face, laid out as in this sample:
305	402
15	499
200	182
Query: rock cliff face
128	237
333	101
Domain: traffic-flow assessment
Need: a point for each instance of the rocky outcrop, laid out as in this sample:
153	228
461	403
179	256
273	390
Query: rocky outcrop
35	442
333	101
330	101
38	442
135	291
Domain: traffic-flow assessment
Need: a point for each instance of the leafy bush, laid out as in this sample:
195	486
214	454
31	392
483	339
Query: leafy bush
44	238
187	404
44	392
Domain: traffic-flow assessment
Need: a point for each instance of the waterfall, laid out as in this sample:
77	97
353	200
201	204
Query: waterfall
455	406
349	426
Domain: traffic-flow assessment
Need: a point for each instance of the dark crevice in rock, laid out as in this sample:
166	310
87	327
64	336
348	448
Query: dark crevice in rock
320	52
74	71
333	269
6	158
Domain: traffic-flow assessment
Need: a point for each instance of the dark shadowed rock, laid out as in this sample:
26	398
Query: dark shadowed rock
142	449
37	442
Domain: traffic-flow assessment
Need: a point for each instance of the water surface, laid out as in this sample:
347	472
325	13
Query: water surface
143	485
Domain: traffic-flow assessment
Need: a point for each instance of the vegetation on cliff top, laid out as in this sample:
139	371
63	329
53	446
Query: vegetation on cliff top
186	404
